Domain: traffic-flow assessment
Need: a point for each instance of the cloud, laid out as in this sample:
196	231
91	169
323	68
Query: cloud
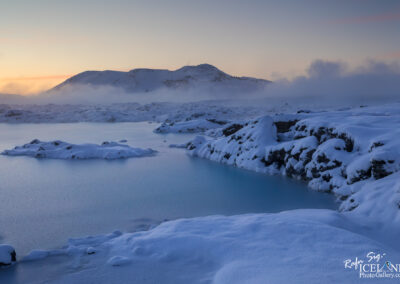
30	85
323	69
392	55
336	82
49	77
392	16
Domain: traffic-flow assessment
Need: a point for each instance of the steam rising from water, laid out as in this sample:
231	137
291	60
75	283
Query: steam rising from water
333	81
325	82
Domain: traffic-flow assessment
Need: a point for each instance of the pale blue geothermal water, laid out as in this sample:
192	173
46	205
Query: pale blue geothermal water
44	202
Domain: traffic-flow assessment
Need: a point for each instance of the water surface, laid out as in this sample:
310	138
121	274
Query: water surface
44	202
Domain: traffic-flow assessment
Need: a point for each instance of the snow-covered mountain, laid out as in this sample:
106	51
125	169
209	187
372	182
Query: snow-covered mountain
147	80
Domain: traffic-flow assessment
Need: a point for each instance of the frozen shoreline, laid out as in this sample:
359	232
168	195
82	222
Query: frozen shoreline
353	154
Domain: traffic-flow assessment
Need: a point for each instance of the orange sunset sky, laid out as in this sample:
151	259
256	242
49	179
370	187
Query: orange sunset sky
44	42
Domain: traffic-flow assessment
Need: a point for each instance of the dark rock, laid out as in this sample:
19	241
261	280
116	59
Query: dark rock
379	170
220	122
191	146
326	177
323	159
232	129
276	157
361	175
12	113
284	126
376	145
315	173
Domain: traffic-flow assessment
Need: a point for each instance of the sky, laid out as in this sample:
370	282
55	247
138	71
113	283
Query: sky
43	42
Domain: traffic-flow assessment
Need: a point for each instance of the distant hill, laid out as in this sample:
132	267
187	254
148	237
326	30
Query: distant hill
147	80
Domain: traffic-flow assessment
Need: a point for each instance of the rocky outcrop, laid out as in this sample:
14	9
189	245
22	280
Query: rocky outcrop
333	158
7	255
284	126
190	126
240	145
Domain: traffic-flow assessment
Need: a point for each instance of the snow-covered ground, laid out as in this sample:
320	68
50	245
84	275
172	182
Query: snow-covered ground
63	150
32	111
300	246
128	112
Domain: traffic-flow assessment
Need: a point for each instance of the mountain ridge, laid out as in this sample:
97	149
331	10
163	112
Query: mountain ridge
147	80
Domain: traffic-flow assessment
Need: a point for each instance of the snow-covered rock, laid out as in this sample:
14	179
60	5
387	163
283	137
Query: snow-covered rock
63	150
7	255
343	152
241	145
191	126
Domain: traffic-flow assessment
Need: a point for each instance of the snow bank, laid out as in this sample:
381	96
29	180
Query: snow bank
63	150
7	255
287	247
344	152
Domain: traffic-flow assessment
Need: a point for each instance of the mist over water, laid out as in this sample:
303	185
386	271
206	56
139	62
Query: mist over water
325	82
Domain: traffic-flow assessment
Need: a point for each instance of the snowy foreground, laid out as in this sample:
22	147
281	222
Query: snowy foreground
352	153
300	246
63	150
